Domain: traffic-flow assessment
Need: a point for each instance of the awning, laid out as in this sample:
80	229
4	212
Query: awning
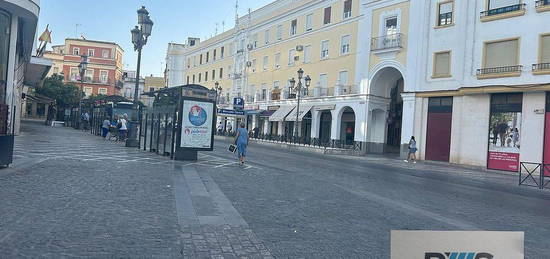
281	113
267	113
36	71
304	109
252	112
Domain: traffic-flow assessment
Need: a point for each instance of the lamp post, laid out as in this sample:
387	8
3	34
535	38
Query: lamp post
82	67
298	89
218	90
140	34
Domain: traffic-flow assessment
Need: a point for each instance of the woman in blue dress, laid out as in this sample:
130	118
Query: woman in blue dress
241	140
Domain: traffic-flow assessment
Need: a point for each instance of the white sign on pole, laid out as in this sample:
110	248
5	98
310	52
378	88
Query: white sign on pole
197	121
457	245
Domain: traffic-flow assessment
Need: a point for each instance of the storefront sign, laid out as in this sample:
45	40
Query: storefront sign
252	107
505	132
197	125
230	112
273	108
324	107
457	245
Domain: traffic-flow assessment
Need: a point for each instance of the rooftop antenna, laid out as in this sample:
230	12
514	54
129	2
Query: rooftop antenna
216	29
223	26
237	15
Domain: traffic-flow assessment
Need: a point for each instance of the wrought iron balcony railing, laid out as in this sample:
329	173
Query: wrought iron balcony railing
387	42
541	66
499	70
505	9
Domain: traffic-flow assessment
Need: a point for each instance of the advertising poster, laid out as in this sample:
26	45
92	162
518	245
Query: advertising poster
197	121
504	141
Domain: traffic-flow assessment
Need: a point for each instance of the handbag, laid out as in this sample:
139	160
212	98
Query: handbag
232	148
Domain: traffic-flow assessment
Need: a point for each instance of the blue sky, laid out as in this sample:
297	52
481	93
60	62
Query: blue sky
112	20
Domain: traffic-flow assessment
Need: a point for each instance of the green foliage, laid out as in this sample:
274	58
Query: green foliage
65	95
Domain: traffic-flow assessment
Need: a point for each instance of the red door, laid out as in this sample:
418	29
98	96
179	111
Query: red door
547	145
438	141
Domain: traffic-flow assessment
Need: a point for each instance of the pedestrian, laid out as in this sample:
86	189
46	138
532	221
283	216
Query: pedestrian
515	137
256	132
220	129
412	151
105	127
229	128
122	127
241	140
502	130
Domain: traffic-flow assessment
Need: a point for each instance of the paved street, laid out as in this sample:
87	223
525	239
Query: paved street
70	194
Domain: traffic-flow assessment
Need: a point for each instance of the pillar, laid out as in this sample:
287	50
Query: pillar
407	128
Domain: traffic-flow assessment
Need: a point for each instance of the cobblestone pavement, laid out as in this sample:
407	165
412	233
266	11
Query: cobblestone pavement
70	194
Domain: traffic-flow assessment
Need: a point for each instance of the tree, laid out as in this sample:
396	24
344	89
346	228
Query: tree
65	95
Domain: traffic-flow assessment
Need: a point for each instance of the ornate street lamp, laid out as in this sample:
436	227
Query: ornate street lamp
298	89
140	34
82	67
218	90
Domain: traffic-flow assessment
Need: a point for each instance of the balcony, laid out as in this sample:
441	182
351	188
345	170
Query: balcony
88	80
503	12
541	69
497	72
387	42
542	5
346	90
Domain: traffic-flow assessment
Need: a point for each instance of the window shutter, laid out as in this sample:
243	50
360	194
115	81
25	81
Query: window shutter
545	49
501	54
442	64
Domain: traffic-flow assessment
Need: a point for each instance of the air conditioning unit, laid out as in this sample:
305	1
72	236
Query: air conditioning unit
300	48
296	58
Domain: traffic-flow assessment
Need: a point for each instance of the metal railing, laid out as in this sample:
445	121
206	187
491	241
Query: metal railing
534	174
499	70
541	66
302	140
501	10
387	42
540	3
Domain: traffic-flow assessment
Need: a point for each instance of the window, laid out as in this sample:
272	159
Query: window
324	49
255	40
343	78
307	54
221	72
279	32
445	15
291	55
266	37
323	83
91	52
344	45
200	60
105	53
207	56
188	62
495	4
545	49
151	89
254	65
88	91
293	27
200	77
214	55
193	79
187	79
347	9
391	26
276	85
309	22
277	60
264	92
103	76
442	64
221	52
89	75
501	53
103	91
328	12
76	51
213	74
194	61
74	75
206	76
265	63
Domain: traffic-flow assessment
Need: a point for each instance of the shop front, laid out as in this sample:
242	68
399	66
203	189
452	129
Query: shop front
279	125
438	130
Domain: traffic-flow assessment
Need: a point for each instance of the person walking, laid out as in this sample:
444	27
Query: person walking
242	142
105	127
122	127
412	151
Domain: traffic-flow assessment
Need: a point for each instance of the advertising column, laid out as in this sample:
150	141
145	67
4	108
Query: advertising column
505	132
197	128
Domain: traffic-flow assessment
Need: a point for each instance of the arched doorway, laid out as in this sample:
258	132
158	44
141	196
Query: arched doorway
347	126
386	113
305	125
324	126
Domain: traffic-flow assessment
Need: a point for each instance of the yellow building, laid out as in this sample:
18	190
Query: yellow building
152	83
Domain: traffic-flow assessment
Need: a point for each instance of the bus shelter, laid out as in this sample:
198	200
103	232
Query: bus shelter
188	110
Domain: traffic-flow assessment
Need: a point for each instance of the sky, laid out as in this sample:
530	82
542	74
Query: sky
112	20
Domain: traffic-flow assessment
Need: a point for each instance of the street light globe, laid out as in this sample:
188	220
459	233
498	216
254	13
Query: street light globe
147	27
300	73
135	35
292	82
308	81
